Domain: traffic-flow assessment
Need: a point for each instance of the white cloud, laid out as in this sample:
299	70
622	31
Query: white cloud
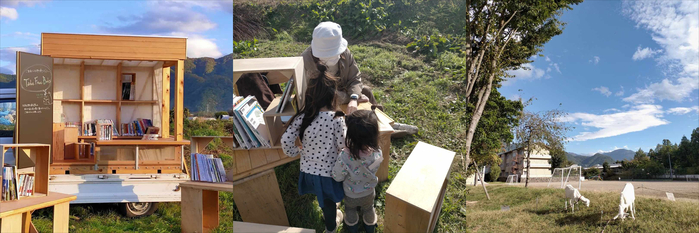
636	119
594	59
547	58
644	53
515	97
674	26
6	12
682	110
555	65
603	90
225	5
620	92
665	90
162	20
198	46
612	110
528	71
8	55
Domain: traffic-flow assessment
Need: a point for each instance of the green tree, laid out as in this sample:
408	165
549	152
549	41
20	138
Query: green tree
606	170
494	173
218	115
592	172
559	159
541	130
683	155
640	155
500	36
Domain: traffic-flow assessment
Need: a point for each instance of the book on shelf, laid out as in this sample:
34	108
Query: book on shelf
286	96
16	185
128	87
136	128
250	123
105	129
207	168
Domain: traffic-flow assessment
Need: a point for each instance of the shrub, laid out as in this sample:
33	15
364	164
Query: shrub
245	47
494	173
432	45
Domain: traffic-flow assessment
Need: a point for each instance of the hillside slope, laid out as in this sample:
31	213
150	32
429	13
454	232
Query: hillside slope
587	161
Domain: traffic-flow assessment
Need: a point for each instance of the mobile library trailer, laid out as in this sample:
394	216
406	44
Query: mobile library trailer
92	98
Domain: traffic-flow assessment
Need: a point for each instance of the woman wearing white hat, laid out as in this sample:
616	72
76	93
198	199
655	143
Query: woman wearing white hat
329	48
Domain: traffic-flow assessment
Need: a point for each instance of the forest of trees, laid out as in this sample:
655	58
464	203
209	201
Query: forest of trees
684	158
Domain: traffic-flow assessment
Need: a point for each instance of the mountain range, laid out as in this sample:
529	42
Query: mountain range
208	83
600	158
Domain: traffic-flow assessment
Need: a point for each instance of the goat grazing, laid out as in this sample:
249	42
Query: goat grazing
626	202
573	196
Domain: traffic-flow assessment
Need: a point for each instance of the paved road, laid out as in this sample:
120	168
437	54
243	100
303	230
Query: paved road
681	189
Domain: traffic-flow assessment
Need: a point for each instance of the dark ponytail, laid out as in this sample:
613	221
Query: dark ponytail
320	94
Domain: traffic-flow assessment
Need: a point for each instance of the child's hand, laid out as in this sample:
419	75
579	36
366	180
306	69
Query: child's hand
298	143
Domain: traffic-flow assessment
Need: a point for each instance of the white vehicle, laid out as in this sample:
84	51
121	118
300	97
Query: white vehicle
137	194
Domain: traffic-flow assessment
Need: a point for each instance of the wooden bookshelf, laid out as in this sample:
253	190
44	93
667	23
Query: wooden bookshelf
39	155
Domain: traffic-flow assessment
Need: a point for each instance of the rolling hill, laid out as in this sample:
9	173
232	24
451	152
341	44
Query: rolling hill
208	83
600	158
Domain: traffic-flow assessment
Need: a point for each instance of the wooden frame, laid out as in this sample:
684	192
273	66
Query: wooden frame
414	198
200	205
98	54
39	154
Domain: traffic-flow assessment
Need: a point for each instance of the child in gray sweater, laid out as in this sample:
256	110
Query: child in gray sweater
356	168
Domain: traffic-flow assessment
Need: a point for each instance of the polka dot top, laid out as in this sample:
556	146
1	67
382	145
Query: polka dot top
322	141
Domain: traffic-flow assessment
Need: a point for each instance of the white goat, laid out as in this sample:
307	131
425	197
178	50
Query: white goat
573	196
628	196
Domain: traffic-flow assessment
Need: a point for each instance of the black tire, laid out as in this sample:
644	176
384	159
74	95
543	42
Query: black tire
138	209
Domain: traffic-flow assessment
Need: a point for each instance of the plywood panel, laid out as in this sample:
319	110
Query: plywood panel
157	153
242	160
130	113
66	82
99	111
257	158
179	100
272	155
113	47
157	82
71	111
259	200
165	104
100	83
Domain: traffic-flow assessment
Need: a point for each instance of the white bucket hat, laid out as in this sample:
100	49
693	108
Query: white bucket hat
327	40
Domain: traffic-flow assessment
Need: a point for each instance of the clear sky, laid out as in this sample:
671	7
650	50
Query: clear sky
626	72
207	24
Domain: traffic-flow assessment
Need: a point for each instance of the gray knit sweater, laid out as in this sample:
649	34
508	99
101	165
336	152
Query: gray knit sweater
358	176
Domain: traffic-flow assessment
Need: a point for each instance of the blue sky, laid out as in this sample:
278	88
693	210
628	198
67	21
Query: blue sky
626	72
207	24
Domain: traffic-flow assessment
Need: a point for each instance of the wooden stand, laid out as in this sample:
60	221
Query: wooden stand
15	216
200	205
256	193
261	228
414	199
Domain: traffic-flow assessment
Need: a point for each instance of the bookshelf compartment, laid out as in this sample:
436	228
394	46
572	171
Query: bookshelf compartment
31	160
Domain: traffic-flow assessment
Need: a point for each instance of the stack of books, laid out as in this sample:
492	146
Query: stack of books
249	128
106	129
136	128
207	168
15	186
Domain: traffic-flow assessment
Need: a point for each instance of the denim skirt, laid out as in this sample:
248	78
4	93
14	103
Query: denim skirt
321	186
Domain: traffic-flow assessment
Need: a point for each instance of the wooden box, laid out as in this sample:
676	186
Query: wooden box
414	198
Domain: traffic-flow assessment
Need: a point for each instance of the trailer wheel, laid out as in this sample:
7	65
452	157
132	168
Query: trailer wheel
138	209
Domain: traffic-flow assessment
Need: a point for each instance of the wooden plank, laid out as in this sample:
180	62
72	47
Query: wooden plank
262	228
11	223
272	155
210	211
385	145
41	169
243	174
165	105
58	141
223	187
242	160
112	38
118	95
257	158
192	210
259	200
401	216
60	217
200	144
179	98
142	143
29	204
113	47
27	221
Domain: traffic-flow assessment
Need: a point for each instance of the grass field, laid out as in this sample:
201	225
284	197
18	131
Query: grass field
542	210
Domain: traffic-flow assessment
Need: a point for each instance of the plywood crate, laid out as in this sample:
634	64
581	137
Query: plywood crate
414	198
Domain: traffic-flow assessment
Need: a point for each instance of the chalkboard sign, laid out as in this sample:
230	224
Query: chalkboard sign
34	98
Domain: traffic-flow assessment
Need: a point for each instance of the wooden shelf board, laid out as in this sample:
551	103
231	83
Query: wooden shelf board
225	186
23	205
272	108
260	148
139	102
115	137
141	143
72	101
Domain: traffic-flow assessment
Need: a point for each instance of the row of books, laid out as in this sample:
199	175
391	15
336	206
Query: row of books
249	128
137	128
207	168
14	186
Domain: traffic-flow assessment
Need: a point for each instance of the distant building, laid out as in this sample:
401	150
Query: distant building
514	163
616	167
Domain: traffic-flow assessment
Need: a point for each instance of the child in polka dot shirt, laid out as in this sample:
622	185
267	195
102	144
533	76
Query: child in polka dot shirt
356	167
321	132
